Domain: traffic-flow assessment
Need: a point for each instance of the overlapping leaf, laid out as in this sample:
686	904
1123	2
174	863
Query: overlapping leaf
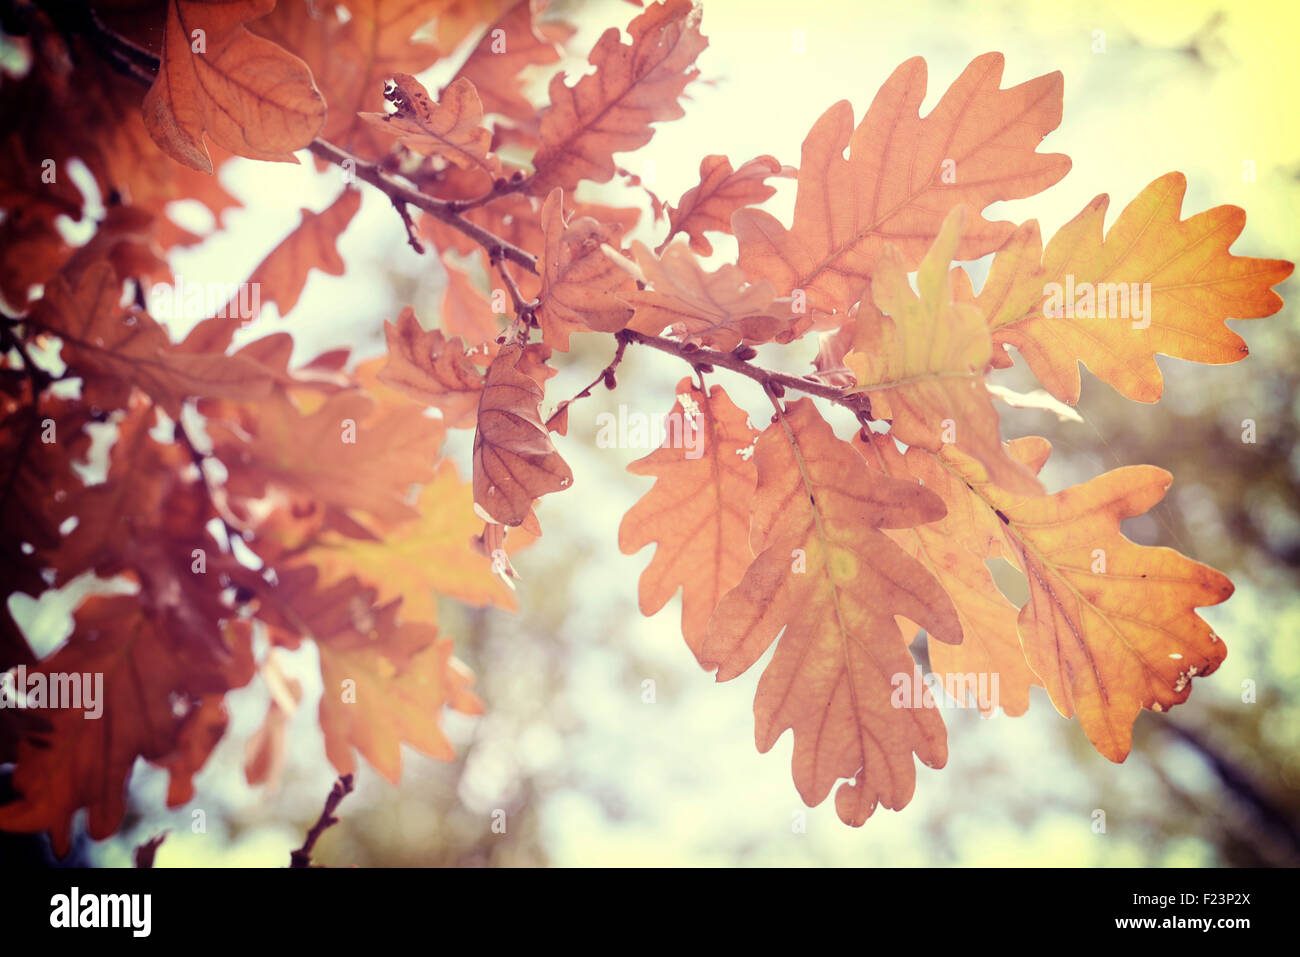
249	95
515	41
451	128
113	349
830	581
610	110
902	176
428	556
721	191
1195	284
282	276
515	461
1110	627
921	360
719	309
697	513
580	283
432	369
149	690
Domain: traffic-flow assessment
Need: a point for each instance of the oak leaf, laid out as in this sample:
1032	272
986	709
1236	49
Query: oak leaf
435	370
902	176
580	283
708	206
1195	284
921	358
386	681
356	457
610	110
86	763
718	309
515	461
1110	627
249	95
830	581
697	513
451	128
498	58
426	557
113	349
282	276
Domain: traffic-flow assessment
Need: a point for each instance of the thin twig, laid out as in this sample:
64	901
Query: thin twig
342	788
440	209
145	853
606	375
706	359
411	236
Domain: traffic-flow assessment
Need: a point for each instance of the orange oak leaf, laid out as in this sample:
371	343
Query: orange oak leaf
921	361
515	461
580	283
466	313
1110	627
828	575
954	550
386	681
113	349
432	369
85	762
149	520
697	512
1156	284
353	56
36	473
282	276
610	111
902	175
451	128
429	556
718	309
355	457
708	206
511	44
249	95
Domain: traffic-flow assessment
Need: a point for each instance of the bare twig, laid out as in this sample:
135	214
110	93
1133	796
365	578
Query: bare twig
342	788
411	237
144	853
606	375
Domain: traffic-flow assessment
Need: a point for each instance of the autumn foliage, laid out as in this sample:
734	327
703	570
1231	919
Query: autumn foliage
253	503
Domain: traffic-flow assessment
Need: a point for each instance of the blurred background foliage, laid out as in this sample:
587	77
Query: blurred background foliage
588	772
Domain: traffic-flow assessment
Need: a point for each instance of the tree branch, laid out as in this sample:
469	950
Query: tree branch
775	383
342	788
140	62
